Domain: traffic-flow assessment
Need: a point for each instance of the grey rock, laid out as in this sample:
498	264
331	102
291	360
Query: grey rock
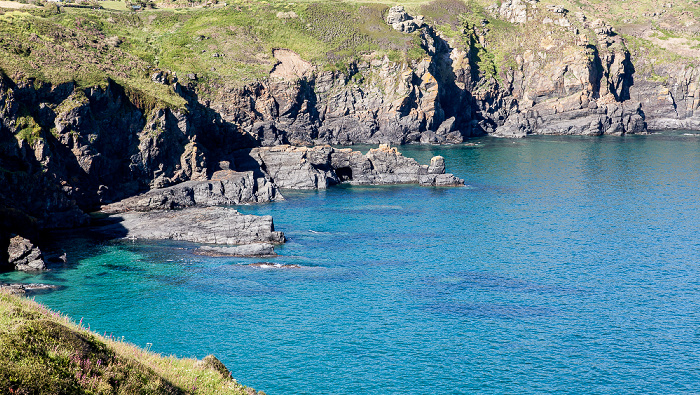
260	249
211	225
437	165
225	187
396	14
399	20
25	256
20	289
322	166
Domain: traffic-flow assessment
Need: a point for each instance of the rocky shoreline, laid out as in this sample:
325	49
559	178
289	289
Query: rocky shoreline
67	150
191	211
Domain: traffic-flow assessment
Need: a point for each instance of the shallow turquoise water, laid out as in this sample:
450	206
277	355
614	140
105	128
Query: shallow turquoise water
569	265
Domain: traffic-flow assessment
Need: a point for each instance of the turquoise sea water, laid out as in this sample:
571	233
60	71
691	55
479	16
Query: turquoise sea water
569	264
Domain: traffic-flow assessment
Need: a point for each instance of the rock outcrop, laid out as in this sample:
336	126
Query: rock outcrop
323	166
225	187
66	150
25	256
400	20
212	225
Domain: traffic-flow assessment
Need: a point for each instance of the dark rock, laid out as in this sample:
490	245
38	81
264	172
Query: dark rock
25	256
26	289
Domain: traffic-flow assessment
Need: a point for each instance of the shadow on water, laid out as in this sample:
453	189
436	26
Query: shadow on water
490	310
486	281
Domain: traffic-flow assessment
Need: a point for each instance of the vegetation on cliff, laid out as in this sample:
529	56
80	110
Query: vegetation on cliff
44	352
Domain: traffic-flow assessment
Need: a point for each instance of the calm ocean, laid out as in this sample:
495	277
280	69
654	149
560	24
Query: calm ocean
568	265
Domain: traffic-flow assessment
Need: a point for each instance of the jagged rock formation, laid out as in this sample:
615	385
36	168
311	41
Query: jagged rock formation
400	20
66	150
322	166
448	96
283	166
225	187
25	256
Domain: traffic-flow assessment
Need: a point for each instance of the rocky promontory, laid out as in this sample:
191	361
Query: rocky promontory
23	255
210	225
322	166
190	211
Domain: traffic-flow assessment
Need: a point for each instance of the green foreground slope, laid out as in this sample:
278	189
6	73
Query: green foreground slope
44	352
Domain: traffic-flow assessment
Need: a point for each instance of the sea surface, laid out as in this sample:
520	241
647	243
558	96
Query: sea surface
567	265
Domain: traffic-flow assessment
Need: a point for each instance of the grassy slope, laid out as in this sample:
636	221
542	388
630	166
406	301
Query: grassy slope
43	352
227	47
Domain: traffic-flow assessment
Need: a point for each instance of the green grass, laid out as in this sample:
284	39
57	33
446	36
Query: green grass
229	47
114	5
44	352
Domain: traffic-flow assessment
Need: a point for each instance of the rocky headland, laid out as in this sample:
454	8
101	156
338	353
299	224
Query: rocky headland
144	139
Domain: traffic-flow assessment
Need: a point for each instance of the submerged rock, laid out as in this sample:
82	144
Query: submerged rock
25	256
270	265
261	250
24	289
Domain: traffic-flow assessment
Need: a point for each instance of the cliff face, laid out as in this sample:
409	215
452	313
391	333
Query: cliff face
446	97
517	69
567	75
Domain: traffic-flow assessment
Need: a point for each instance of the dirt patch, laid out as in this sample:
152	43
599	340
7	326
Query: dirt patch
15	5
679	45
291	66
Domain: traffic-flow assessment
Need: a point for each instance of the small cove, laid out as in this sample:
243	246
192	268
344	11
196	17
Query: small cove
567	264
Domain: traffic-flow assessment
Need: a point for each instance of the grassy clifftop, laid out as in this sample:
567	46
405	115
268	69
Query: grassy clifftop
224	47
43	352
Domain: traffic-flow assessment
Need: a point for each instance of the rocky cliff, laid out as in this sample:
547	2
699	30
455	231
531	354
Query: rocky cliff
576	79
145	136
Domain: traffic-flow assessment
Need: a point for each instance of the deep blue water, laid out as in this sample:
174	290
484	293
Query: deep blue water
569	264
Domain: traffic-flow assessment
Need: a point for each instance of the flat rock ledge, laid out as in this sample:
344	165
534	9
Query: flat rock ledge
209	225
246	250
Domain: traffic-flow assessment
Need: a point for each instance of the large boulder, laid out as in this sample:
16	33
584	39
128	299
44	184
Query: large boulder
399	19
25	256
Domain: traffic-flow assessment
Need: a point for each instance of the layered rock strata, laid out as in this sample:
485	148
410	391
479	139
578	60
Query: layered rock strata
225	187
211	225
